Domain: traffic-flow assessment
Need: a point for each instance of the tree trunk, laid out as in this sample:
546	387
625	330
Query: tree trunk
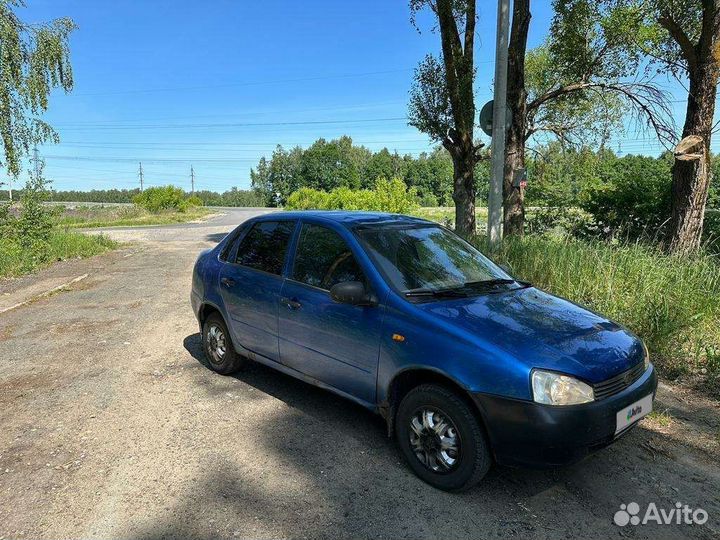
464	190
513	197
691	177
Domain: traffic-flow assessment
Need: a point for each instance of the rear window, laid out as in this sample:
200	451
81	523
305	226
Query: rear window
265	245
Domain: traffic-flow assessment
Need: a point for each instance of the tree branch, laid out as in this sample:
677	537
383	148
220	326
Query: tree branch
450	41
710	21
469	32
556	93
649	102
678	34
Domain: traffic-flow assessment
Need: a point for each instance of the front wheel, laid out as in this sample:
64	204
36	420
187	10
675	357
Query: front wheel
441	438
218	348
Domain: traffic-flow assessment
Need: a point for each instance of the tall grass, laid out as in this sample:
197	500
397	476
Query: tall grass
672	303
15	261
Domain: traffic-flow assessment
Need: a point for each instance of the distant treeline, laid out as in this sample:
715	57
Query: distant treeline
557	176
561	177
232	197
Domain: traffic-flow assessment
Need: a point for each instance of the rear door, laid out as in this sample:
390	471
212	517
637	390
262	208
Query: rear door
335	343
250	285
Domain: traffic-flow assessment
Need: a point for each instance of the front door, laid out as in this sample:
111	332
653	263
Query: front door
337	344
251	284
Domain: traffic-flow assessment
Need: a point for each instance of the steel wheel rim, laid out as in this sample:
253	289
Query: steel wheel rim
216	344
434	440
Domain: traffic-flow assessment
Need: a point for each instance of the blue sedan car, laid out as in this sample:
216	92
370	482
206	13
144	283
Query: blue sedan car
467	364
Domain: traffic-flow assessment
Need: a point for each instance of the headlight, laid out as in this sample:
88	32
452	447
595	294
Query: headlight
647	357
555	389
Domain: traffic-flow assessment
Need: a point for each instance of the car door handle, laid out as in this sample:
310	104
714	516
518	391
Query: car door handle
291	303
228	282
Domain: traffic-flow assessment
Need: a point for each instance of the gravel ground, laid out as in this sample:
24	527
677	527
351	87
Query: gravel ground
112	426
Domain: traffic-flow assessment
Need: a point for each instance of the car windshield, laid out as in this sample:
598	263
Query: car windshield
429	260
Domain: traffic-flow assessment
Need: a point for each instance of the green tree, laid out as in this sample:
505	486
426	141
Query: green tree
574	86
383	164
34	59
683	37
432	175
280	175
442	103
632	195
327	165
561	177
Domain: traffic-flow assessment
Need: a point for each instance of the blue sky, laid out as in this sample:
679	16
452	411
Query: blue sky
218	84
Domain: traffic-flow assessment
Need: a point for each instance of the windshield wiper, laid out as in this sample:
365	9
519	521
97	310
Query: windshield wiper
489	282
464	290
453	292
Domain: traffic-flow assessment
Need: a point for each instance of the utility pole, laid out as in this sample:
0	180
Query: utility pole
495	199
36	161
141	177
192	180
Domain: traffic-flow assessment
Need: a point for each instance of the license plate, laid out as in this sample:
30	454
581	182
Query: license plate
633	413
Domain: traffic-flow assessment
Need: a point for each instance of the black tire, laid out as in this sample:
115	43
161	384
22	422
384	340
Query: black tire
226	362
472	454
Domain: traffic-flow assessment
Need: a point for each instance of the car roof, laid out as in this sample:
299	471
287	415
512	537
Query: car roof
348	217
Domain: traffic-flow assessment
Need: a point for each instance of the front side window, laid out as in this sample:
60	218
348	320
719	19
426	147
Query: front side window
426	259
265	245
323	259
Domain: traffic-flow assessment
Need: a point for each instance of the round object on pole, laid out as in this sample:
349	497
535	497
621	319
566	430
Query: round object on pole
486	117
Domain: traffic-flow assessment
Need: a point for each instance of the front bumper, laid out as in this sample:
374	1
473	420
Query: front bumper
531	434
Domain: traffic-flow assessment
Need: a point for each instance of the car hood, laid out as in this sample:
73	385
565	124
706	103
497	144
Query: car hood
543	331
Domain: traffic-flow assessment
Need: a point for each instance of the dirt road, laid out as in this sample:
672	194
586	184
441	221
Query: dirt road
111	426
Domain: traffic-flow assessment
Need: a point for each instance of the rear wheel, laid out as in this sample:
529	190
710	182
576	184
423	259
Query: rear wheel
218	347
441	438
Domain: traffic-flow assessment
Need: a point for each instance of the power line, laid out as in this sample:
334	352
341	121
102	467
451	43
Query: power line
257	83
231	124
206	143
249	83
114	159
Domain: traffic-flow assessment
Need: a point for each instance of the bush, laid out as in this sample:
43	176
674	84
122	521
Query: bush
388	196
672	303
307	199
30	231
711	230
633	198
572	221
428	200
156	199
15	261
194	200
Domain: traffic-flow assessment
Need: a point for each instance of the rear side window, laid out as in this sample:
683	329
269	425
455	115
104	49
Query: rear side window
231	243
265	245
324	259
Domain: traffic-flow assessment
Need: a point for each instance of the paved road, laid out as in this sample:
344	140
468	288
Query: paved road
112	426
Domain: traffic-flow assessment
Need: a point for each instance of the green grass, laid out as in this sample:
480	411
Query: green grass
446	215
672	303
124	216
661	418
16	261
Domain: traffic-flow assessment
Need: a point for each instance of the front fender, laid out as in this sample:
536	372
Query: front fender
430	344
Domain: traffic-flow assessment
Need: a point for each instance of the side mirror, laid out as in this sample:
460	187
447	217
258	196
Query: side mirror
351	292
